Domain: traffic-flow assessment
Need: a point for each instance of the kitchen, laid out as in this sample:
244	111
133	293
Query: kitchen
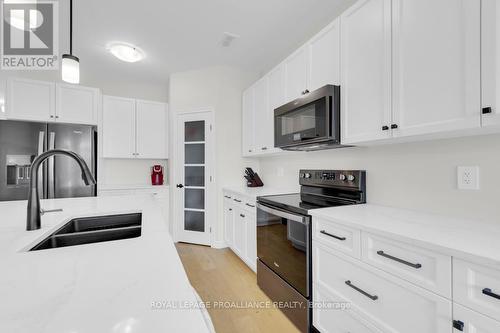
368	135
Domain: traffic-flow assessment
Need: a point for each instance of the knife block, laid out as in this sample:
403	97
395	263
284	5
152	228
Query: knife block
255	181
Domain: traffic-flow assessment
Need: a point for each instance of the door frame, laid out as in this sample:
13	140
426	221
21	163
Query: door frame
210	185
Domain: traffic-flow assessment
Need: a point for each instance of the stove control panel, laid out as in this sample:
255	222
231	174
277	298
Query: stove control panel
333	178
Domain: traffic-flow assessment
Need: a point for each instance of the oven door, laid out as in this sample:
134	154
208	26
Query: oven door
283	241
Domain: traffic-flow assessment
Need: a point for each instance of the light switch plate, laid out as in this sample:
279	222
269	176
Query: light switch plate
468	177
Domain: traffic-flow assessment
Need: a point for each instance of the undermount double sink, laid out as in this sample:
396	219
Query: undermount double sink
95	229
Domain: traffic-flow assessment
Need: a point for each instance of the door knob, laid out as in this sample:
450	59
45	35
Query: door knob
180	186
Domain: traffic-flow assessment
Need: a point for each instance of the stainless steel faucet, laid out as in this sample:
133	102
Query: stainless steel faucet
33	218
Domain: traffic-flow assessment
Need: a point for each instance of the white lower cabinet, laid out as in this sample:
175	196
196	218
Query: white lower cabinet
468	321
389	302
240	227
333	317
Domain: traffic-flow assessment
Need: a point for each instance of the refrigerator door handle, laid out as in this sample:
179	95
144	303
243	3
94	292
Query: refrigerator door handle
40	150
51	174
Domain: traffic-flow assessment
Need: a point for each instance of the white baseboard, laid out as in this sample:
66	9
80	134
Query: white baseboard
219	244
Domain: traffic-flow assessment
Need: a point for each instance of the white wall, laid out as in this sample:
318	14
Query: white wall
114	171
419	176
220	89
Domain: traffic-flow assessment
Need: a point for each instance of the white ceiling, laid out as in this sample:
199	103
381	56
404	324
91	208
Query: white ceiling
186	34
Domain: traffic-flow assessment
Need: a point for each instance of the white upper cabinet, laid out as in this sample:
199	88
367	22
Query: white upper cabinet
296	74
51	102
436	66
76	104
248	123
151	130
324	57
134	128
277	98
366	71
30	100
261	116
490	31
118	127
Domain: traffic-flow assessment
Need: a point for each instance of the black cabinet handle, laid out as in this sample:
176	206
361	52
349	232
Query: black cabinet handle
487	110
385	128
230	209
242	215
407	263
372	297
250	205
179	186
264	148
488	292
226	196
459	325
394	126
237	200
331	235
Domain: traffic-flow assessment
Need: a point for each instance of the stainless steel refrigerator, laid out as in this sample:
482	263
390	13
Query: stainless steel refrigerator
21	142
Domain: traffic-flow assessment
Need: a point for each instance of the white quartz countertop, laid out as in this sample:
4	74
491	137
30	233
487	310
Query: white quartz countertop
466	239
254	192
100	287
107	187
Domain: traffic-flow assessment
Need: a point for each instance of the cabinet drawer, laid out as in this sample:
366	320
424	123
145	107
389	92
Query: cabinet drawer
477	287
338	237
425	268
391	303
473	322
330	317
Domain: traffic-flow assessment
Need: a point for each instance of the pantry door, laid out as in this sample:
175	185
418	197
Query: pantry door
194	182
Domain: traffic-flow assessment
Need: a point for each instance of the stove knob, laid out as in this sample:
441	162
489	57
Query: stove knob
351	178
302	175
342	177
307	175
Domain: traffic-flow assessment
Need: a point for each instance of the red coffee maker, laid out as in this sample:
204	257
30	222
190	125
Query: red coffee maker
157	175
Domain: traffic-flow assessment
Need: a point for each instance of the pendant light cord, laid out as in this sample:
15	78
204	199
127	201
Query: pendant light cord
71	27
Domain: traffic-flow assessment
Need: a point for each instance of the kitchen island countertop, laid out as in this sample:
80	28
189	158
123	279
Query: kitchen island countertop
131	285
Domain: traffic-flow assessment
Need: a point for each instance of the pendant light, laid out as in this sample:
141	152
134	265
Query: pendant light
70	64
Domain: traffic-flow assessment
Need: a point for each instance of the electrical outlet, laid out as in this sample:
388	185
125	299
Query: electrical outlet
468	178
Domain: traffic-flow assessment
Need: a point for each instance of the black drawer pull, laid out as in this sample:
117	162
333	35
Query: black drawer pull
230	209
459	325
394	126
487	110
249	205
407	263
488	292
237	200
372	297
227	197
385	128
336	237
242	215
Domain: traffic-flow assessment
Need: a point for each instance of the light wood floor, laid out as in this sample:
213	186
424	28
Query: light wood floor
219	275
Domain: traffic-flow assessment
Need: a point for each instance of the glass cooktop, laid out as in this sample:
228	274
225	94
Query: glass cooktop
294	203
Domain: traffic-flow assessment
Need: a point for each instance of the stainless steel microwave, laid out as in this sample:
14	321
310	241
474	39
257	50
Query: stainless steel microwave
311	122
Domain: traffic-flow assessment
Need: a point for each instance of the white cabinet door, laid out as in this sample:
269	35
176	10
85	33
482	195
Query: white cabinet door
76	104
261	115
30	100
277	97
151	130
324	57
228	222
296	74
436	66
490	34
239	239
366	71
118	127
473	322
248	123
251	239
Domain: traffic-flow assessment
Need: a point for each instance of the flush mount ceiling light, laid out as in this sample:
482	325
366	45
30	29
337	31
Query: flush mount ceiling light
126	52
70	67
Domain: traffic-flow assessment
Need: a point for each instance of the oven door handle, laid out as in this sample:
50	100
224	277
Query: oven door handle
293	217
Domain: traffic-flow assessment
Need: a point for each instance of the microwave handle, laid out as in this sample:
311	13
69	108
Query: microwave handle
293	217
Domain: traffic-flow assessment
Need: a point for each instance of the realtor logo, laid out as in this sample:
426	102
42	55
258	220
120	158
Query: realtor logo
30	35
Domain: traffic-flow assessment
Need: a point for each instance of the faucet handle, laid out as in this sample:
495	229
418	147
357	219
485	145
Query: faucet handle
43	211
